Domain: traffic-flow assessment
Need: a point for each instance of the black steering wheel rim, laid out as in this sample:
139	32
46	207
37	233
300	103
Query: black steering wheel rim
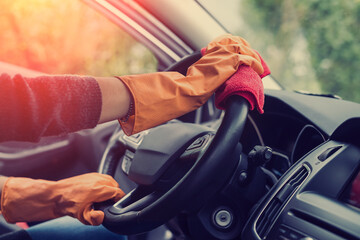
209	170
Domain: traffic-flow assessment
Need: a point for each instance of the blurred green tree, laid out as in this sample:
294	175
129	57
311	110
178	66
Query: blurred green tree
332	29
332	34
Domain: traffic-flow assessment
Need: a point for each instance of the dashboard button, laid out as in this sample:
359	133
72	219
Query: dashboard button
126	161
327	153
198	143
283	231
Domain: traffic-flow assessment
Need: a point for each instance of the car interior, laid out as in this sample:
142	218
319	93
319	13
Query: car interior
290	173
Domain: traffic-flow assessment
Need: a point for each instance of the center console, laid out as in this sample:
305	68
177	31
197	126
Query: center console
318	198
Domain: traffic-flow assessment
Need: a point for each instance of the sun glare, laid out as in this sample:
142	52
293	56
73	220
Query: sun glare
58	36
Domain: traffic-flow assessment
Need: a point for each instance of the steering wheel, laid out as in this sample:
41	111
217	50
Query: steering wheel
157	199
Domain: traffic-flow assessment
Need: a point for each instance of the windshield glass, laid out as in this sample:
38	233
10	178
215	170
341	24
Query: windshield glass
310	45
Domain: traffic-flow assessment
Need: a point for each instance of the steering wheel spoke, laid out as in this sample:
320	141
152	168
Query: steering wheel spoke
136	200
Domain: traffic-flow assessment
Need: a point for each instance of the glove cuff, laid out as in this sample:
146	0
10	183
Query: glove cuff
23	200
3	201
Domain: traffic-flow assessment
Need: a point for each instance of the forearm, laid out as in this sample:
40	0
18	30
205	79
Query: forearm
31	108
160	97
115	98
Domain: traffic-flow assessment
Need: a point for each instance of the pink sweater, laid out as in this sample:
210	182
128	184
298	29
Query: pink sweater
47	105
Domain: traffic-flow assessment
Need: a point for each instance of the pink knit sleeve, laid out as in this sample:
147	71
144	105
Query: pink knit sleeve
47	105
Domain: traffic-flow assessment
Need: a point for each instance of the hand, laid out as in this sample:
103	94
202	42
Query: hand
244	82
228	45
25	199
159	97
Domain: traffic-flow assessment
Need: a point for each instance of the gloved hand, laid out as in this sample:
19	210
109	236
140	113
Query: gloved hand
159	97
26	200
244	82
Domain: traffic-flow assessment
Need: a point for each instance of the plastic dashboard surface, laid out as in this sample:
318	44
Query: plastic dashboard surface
308	201
325	113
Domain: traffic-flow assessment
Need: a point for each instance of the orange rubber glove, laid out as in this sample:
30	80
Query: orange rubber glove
159	97
26	199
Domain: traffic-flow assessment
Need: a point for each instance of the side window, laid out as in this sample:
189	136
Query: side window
68	37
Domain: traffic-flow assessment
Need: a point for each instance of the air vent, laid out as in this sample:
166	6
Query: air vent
272	210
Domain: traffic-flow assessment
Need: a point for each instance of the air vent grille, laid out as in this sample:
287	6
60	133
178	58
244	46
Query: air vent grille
272	211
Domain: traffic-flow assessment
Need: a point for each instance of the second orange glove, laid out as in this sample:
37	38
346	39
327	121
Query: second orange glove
26	200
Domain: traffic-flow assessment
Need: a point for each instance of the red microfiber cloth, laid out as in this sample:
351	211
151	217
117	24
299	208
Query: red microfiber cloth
244	82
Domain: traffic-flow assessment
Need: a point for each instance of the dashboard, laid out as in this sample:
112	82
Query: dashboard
318	197
314	200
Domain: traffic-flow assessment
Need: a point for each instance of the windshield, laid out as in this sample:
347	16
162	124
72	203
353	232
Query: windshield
310	45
